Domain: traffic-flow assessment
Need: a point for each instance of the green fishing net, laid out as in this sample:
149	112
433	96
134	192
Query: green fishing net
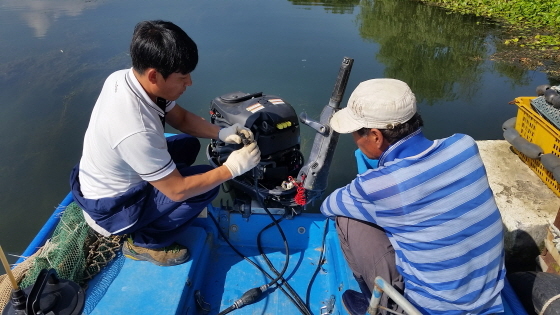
75	251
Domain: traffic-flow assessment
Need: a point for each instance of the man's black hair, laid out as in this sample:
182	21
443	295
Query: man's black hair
164	46
399	131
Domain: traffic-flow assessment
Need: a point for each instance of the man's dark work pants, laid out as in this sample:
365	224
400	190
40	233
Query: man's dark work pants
369	254
153	220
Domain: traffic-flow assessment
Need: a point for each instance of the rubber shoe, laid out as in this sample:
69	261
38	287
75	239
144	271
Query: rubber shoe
167	256
354	302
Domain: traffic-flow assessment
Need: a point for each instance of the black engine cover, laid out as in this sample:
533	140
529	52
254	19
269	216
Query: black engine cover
275	127
274	122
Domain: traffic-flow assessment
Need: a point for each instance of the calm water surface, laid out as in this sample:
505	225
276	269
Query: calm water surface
57	53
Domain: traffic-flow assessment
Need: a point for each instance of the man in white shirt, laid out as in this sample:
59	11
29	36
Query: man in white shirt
133	180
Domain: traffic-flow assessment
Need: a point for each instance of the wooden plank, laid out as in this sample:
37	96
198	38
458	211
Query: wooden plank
548	264
557	219
542	263
549	244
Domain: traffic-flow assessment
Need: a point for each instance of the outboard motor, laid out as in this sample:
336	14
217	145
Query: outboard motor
275	127
279	181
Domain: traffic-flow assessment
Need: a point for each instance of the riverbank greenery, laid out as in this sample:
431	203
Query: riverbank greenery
531	27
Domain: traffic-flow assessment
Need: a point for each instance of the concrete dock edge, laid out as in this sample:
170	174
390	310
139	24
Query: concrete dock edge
526	204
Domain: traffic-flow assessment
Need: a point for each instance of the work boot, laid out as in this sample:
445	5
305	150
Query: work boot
172	255
355	302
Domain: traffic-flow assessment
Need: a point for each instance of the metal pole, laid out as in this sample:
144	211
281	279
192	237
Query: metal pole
382	286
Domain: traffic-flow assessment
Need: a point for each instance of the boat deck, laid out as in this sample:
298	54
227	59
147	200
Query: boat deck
199	286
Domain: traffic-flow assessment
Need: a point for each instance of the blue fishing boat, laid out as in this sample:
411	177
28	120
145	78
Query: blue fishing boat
261	254
217	276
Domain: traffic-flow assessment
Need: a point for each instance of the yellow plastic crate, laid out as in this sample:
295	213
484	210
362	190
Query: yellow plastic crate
535	129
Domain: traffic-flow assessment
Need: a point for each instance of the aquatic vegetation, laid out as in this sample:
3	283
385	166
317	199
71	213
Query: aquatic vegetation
530	26
535	16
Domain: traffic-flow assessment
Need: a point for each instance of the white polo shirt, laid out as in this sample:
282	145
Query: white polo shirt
124	143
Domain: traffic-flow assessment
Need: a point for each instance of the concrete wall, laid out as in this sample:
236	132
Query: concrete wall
527	205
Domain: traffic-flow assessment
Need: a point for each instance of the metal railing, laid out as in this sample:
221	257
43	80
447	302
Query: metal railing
382	286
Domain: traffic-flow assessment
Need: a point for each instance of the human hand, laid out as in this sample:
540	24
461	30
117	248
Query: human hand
243	160
230	134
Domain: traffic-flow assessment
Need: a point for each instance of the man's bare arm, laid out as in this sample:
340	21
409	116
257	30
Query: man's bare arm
178	188
192	124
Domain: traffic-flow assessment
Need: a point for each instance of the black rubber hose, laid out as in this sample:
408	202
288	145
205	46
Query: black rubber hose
222	234
247	298
280	275
302	306
319	264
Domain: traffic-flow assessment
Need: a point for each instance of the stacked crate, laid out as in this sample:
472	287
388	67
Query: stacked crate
541	130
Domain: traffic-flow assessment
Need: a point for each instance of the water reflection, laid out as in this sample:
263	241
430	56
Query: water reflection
439	55
40	14
331	6
442	56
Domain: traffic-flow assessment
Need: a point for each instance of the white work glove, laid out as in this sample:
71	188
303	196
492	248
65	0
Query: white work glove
229	134
244	159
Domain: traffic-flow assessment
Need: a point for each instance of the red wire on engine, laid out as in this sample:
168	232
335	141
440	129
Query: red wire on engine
300	195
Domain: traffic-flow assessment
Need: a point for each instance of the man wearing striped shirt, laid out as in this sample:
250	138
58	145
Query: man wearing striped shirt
425	218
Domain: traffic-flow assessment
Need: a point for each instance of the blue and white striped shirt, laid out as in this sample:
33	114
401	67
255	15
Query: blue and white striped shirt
435	204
